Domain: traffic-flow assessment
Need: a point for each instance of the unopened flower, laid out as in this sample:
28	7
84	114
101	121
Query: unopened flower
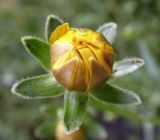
81	59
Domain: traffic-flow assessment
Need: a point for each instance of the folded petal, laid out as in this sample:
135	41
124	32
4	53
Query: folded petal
58	32
98	74
65	72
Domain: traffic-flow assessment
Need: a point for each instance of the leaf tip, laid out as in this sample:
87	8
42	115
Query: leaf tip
139	61
108	25
25	39
49	20
15	92
52	16
127	66
136	100
69	130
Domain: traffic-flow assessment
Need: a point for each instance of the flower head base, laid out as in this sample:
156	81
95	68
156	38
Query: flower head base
82	59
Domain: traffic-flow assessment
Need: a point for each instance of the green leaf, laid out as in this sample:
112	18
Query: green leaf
39	49
51	23
127	112
109	30
75	105
115	95
43	86
126	66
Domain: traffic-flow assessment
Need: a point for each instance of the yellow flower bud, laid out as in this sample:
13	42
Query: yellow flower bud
81	59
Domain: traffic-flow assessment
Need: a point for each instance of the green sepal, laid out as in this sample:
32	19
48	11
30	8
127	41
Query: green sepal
115	95
75	106
126	66
43	86
52	22
109	30
39	49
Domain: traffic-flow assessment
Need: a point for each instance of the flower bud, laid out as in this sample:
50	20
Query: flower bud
81	59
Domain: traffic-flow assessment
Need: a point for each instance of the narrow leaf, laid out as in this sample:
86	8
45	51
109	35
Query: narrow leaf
37	87
126	66
75	105
115	95
109	30
51	23
39	49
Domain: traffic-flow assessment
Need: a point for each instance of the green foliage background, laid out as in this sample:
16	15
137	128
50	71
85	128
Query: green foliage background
138	35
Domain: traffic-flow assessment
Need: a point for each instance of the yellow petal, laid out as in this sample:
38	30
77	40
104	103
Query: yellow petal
65	73
79	77
62	60
109	58
98	53
86	53
58	50
98	74
58	32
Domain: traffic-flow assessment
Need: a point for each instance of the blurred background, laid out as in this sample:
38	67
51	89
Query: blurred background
138	35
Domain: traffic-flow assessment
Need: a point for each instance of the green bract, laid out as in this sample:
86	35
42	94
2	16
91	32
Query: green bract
76	103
